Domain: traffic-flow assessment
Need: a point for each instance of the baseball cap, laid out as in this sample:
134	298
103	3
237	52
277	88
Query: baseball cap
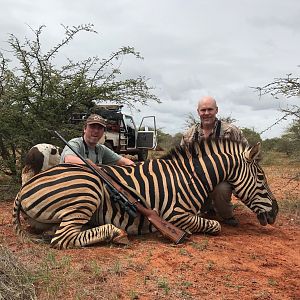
95	119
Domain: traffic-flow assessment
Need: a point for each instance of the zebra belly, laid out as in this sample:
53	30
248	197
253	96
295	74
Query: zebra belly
113	214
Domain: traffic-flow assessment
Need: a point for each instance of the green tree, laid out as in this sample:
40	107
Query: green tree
288	143
38	96
252	136
164	140
176	139
291	139
271	144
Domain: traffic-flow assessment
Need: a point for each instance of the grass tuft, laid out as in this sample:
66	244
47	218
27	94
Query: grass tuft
15	280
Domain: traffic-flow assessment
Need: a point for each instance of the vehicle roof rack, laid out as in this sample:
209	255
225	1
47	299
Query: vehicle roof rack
111	107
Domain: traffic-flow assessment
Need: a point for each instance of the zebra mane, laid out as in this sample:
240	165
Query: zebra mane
193	148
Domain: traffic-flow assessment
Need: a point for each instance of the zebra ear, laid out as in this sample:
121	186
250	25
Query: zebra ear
253	152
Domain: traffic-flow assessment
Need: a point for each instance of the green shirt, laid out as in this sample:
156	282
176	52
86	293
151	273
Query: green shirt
105	155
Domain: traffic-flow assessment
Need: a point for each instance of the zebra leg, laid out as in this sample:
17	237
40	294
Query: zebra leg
195	223
70	236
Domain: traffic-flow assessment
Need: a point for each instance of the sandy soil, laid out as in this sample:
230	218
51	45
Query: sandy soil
247	262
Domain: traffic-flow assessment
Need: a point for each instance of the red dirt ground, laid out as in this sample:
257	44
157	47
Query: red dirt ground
247	262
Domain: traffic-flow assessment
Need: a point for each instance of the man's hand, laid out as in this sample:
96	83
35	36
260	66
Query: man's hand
124	161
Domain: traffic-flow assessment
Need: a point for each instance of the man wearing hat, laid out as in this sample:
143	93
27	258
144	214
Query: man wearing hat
88	146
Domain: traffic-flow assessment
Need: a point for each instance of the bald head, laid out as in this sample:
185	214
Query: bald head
207	100
207	111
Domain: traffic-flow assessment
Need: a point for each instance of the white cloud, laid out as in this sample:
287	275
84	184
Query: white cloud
191	48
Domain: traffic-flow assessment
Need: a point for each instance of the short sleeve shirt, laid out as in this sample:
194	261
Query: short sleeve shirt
105	155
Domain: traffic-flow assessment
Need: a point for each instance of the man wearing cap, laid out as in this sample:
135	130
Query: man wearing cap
88	146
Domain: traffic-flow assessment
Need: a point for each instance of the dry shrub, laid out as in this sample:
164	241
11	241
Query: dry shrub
14	279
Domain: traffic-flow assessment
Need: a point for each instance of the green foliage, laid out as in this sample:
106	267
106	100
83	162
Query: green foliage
176	139
164	139
270	144
292	138
252	136
288	144
38	96
271	158
8	188
163	283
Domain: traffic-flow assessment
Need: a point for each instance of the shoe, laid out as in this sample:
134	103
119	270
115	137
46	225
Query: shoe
231	221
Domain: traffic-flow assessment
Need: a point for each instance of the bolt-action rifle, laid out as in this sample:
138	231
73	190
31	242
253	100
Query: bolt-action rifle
132	204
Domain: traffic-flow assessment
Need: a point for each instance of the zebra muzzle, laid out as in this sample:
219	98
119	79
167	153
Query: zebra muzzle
262	218
268	217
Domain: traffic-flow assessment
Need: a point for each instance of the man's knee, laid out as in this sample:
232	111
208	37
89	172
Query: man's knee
221	200
222	192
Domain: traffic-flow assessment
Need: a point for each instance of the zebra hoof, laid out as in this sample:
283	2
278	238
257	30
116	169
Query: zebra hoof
122	239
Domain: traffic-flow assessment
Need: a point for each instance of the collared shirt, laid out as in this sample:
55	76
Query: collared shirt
102	155
227	130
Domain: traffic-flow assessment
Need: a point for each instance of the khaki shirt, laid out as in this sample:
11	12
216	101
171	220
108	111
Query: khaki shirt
228	130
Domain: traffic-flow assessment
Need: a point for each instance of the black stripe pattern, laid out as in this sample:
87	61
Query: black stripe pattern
176	186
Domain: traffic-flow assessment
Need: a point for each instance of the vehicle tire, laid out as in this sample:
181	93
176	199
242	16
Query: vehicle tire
143	155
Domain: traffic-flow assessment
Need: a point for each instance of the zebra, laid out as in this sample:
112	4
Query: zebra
176	186
64	198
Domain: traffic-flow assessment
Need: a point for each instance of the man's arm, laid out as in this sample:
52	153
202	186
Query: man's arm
188	136
72	159
123	161
68	156
234	133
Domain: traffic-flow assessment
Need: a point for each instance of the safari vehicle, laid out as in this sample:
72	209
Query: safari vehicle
122	134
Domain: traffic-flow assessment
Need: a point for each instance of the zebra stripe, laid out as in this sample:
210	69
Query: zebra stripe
67	196
176	186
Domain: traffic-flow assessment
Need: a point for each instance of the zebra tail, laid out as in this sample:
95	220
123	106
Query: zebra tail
16	218
17	223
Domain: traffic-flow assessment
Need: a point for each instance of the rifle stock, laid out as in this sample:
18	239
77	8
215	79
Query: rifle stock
167	229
